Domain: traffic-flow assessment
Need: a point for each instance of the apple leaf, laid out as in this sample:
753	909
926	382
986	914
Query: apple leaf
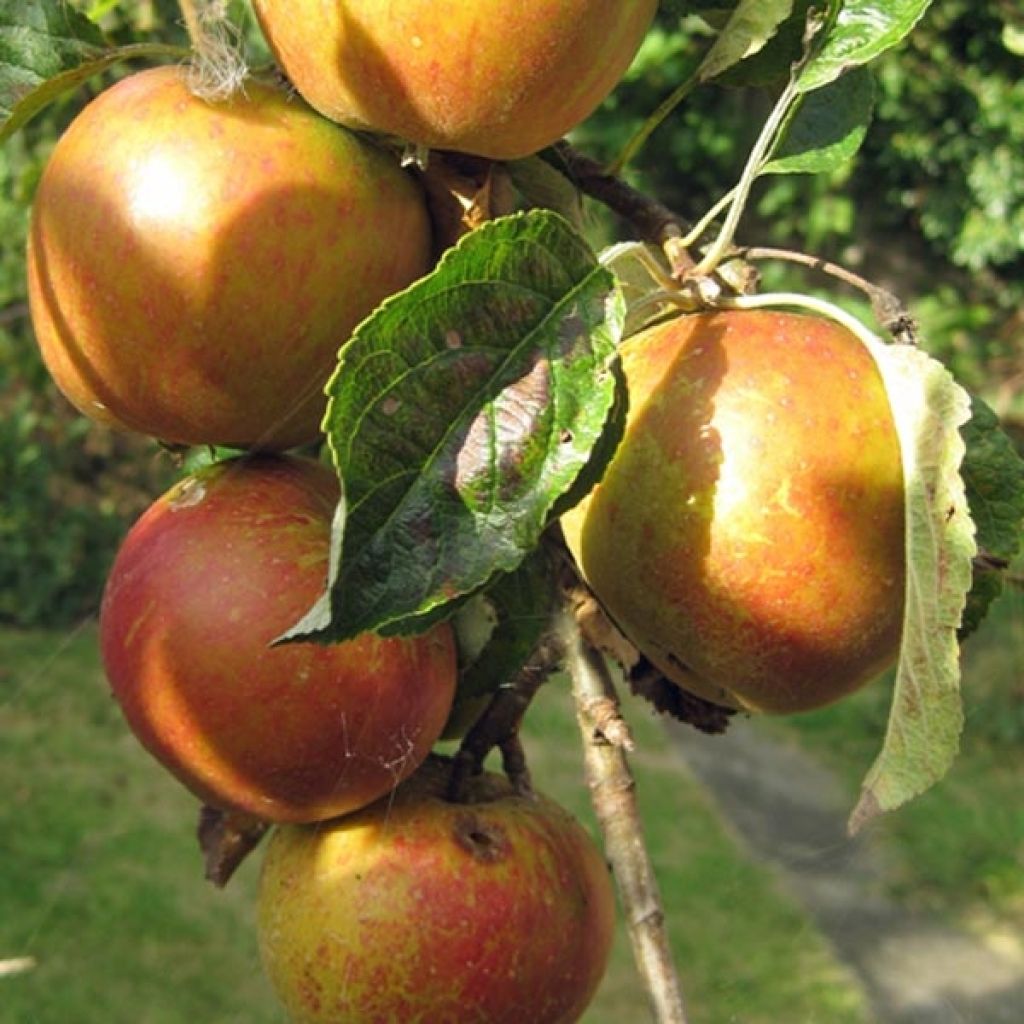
47	48
517	609
863	30
994	475
826	128
773	63
748	29
459	414
926	718
544	186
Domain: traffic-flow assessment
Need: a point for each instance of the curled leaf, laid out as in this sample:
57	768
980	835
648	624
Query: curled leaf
926	717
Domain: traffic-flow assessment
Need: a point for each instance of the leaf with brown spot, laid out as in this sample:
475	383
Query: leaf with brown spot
461	412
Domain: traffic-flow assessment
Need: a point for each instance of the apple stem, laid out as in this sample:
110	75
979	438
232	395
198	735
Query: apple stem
694	235
218	68
771	133
500	722
613	793
741	193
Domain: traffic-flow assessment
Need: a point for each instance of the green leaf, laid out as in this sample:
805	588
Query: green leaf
37	42
47	48
926	718
993	473
863	30
460	412
827	127
773	63
517	607
544	186
749	28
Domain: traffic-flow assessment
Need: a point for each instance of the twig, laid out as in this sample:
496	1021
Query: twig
499	724
889	311
17	965
718	249
652	220
613	793
771	132
985	561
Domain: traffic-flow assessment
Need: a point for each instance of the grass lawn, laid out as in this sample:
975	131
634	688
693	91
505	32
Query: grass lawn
100	881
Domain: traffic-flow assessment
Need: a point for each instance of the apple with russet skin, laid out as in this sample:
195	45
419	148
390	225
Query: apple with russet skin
205	581
484	77
748	533
193	267
494	910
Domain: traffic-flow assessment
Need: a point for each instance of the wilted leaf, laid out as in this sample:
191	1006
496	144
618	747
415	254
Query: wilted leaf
926	716
460	412
637	267
462	192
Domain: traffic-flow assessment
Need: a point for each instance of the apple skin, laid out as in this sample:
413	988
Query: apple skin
211	573
498	910
748	534
194	267
485	77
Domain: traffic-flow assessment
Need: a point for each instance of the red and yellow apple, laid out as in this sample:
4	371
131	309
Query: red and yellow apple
497	910
748	533
193	267
209	576
487	77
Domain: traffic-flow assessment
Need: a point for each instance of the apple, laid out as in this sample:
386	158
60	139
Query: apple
193	267
748	533
208	577
484	77
497	910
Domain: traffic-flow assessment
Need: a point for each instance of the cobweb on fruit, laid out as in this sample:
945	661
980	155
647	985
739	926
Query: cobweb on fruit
218	69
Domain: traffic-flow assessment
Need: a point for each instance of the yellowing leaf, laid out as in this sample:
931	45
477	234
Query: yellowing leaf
926	716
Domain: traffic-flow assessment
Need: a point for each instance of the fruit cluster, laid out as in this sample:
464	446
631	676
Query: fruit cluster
193	268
